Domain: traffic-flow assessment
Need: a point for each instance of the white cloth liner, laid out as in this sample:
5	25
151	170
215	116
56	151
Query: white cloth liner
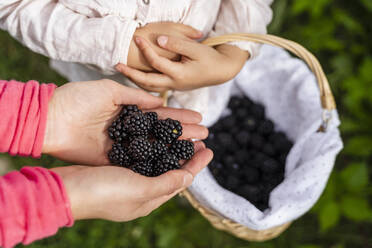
288	90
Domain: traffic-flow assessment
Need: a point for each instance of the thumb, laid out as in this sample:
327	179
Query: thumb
126	95
170	182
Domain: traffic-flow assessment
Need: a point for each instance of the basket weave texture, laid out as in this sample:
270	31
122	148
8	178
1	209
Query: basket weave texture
328	104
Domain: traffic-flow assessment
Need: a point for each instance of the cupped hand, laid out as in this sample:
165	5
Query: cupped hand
150	32
199	66
118	194
80	113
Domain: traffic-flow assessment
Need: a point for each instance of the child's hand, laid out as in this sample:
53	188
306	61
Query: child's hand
118	194
150	32
200	65
80	113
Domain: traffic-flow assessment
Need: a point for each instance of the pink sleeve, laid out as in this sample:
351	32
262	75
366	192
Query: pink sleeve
33	205
23	108
33	201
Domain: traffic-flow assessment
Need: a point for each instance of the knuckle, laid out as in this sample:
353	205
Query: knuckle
152	61
155	63
175	44
181	78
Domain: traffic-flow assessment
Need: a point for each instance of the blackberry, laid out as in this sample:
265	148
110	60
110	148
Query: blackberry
159	149
140	149
258	111
166	163
228	160
243	138
241	156
249	123
241	113
257	141
118	155
129	110
268	149
262	206
277	136
235	102
246	103
251	175
116	131
143	167
249	192
232	182
266	127
226	140
282	159
167	130
137	124
228	122
152	117
281	142
215	168
182	149
270	166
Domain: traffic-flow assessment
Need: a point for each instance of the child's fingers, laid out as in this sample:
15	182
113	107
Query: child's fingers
127	95
184	47
159	63
147	80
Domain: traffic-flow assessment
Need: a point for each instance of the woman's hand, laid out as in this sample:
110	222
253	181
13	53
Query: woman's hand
118	194
199	66
150	32
80	113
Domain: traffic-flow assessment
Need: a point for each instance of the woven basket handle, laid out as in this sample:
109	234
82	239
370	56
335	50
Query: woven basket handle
326	96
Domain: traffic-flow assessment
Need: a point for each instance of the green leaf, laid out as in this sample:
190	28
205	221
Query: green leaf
355	177
356	208
329	216
309	246
359	146
328	194
367	4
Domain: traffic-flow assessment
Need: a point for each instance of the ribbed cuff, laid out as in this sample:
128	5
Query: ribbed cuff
24	109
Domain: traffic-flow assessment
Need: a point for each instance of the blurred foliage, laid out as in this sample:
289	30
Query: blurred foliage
338	33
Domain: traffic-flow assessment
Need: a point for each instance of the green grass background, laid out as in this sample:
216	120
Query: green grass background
339	34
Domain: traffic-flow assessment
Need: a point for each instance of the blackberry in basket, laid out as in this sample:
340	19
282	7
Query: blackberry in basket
146	145
249	161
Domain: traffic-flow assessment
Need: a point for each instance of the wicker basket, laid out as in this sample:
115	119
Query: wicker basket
328	105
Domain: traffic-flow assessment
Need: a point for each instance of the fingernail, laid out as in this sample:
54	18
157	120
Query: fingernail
187	180
162	40
137	40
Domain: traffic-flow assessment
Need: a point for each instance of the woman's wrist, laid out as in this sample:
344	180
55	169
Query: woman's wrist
51	140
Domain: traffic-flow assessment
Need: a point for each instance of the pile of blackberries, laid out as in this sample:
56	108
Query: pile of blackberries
249	155
145	144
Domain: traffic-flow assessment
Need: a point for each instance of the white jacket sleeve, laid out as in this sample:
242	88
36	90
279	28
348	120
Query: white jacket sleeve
49	28
243	16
